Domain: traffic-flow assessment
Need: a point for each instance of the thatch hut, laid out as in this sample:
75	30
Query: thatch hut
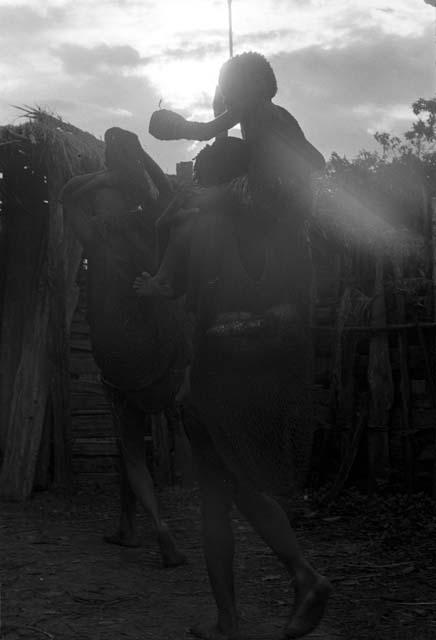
38	295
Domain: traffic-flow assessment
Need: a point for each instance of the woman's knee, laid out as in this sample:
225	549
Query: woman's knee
217	495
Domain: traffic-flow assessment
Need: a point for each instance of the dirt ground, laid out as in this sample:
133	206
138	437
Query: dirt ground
61	581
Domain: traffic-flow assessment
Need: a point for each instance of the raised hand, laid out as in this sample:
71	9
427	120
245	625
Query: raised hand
167	125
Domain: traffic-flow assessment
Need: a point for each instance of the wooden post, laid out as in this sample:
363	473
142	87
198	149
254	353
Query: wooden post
433	233
342	381
58	344
405	391
350	455
381	387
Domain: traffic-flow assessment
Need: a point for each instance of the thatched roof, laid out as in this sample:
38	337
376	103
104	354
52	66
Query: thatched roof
49	141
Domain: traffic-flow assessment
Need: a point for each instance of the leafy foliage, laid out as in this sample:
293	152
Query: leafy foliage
395	181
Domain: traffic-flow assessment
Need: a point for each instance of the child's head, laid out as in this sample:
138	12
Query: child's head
221	162
247	79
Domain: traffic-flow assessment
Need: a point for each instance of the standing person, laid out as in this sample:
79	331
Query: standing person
140	346
249	412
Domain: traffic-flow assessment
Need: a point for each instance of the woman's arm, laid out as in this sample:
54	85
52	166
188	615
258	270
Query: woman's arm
75	198
168	125
159	178
77	215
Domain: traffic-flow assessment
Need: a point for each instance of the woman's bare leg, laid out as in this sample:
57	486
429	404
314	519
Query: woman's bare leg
126	535
130	427
311	588
218	544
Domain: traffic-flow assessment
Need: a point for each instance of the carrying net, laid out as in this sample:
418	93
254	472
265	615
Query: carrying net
136	341
251	377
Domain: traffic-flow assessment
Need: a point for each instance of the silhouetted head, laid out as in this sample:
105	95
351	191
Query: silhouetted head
122	148
246	79
125	156
221	162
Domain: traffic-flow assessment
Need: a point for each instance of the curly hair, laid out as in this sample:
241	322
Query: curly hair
221	162
247	78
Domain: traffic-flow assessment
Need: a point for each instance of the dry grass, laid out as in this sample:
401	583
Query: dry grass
48	141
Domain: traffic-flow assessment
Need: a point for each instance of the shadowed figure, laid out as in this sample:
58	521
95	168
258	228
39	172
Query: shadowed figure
140	346
243	262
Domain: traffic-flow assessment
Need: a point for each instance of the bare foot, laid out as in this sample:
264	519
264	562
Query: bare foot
171	556
310	605
214	633
123	540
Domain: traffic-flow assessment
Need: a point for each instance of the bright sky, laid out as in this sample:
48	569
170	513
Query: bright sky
345	68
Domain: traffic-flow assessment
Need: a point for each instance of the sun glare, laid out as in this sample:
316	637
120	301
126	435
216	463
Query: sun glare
182	83
196	29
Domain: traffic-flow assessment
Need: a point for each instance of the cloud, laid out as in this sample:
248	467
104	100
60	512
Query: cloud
79	59
344	69
371	69
22	20
186	50
214	41
267	35
341	95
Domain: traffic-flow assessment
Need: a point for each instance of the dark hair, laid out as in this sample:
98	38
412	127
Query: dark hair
247	78
221	162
